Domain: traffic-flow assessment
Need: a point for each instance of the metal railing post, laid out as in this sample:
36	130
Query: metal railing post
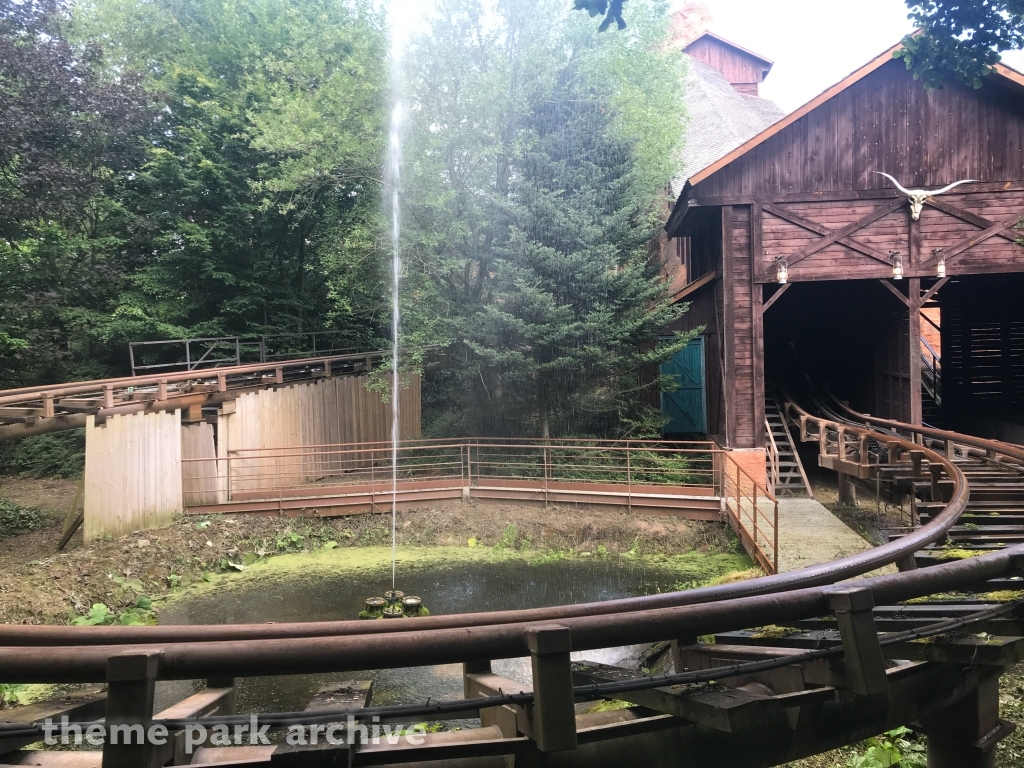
775	531
629	481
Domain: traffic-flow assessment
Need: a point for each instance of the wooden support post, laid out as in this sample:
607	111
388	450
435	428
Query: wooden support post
865	667
327	369
47	406
161	390
222	382
894	453
936	472
914	334
279	375
108	396
965	734
847	491
131	680
906	563
554	713
229	704
916	462
472	668
678	662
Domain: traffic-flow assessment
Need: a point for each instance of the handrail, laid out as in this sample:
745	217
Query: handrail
991	448
764	590
773	456
741	495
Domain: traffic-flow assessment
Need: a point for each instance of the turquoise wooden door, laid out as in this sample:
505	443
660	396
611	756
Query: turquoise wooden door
686	406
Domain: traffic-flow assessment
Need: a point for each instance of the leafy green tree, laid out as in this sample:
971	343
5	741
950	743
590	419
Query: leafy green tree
536	182
71	138
961	39
178	168
262	195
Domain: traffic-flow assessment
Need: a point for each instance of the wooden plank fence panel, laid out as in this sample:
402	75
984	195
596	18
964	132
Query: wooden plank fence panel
133	473
199	478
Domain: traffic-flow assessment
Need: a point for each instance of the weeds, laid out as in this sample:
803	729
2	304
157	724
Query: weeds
15	519
139	613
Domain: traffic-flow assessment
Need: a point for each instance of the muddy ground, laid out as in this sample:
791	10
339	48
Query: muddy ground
40	585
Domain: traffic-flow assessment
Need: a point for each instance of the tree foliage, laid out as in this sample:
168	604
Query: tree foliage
184	169
962	40
536	182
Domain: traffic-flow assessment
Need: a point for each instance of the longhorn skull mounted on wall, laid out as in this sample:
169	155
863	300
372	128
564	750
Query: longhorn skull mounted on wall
918	196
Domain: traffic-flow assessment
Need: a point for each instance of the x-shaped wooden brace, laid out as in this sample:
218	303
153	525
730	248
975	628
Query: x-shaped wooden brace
989	229
830	236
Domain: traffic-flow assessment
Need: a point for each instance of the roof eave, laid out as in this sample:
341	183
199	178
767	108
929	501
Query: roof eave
675	219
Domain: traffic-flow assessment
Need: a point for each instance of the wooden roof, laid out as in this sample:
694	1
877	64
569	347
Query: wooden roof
1002	74
718	38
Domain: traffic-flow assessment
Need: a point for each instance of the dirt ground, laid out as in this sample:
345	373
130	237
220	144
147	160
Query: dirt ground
40	585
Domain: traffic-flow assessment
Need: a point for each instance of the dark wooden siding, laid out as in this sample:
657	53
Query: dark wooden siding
885	122
742	70
938	229
744	357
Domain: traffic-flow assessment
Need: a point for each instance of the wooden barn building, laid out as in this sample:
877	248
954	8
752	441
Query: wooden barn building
798	258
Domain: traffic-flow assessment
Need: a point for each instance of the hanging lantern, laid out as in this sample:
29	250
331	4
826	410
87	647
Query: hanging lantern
940	269
781	270
897	265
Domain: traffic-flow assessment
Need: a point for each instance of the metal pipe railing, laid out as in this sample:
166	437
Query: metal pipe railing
767	588
423	646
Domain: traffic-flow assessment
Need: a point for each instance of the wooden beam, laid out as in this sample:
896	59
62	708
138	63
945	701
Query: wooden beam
757	324
830	237
813	226
728	336
695	286
914	344
834	196
896	293
931	292
967	216
775	297
982	236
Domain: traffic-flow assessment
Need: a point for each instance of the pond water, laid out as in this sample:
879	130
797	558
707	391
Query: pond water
467	587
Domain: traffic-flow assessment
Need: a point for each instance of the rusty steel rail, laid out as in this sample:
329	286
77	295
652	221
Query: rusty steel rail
422	646
767	589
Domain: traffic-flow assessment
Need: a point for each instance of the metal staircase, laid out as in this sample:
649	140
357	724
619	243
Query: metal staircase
785	472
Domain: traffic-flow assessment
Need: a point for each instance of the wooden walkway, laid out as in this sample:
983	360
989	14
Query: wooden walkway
810	534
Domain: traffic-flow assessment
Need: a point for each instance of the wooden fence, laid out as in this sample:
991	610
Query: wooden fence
133	473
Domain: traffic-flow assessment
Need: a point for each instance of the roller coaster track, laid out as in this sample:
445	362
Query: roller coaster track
38	410
841	663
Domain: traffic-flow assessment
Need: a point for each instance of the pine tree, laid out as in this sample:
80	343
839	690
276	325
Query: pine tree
575	300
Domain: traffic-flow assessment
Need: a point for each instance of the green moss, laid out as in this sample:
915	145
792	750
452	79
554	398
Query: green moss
773	631
958	554
686	571
608	705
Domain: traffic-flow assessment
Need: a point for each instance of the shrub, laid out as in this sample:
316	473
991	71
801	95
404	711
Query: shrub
59	454
15	519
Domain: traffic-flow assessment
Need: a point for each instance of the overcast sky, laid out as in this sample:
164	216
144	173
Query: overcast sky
814	43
